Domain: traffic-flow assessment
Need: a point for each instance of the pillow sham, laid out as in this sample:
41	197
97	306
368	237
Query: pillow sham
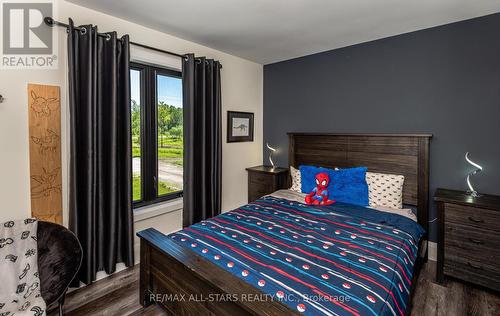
346	185
385	189
296	179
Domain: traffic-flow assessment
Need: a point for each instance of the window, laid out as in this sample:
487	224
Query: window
157	143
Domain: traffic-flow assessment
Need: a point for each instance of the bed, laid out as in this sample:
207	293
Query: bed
277	256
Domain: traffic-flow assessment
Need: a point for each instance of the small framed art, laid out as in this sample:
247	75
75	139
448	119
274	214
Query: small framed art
239	127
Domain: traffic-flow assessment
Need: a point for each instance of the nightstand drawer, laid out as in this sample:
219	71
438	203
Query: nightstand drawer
476	244
472	271
261	179
262	188
472	216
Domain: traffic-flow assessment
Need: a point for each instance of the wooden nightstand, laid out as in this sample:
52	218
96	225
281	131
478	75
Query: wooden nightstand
264	180
469	238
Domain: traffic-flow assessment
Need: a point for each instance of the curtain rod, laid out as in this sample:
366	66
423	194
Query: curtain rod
51	22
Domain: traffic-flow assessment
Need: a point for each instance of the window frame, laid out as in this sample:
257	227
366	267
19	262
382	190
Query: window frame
149	136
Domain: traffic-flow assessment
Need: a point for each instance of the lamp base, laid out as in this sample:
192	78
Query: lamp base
473	193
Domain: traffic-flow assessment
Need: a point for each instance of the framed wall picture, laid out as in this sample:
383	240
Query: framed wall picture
239	127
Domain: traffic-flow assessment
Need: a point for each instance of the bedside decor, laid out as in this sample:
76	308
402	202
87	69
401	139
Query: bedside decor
271	151
263	180
478	169
468	237
239	127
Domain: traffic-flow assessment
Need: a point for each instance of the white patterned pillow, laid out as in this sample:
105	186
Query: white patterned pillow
296	180
385	189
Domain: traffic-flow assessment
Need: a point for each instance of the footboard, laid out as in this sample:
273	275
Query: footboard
187	284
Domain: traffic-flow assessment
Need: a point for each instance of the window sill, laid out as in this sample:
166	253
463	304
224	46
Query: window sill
157	209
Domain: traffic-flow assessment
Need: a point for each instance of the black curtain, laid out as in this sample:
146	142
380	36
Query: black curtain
100	210
202	138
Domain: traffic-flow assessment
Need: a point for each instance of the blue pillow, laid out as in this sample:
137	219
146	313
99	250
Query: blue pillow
346	185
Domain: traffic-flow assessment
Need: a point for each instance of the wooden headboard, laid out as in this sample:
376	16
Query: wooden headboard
405	154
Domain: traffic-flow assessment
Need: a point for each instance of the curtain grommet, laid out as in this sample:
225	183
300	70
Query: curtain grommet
108	37
83	31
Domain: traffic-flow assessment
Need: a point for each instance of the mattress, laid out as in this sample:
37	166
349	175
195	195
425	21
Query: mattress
330	260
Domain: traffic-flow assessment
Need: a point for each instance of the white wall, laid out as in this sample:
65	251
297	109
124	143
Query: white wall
241	90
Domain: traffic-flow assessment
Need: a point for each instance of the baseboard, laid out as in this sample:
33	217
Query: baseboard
432	251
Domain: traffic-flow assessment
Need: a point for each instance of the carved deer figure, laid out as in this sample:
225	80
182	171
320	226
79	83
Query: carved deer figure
46	143
46	184
43	106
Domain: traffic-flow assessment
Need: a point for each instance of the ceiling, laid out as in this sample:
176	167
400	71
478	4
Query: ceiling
267	31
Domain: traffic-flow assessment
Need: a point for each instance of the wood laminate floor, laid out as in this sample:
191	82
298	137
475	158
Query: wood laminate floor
452	298
118	295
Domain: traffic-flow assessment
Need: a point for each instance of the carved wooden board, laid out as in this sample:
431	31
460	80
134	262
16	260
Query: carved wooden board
44	107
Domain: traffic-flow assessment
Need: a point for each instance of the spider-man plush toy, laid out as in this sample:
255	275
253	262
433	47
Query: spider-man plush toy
319	195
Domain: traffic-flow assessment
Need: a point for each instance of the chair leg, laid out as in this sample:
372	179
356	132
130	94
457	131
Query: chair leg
61	303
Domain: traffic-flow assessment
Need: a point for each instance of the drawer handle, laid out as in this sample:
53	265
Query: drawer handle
475	266
472	219
476	241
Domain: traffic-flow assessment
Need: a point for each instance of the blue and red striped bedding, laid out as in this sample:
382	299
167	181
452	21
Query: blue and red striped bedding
332	260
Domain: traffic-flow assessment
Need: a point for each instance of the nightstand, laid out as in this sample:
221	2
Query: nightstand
264	180
468	238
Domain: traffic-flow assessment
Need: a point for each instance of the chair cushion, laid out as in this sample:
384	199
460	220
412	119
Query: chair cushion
59	258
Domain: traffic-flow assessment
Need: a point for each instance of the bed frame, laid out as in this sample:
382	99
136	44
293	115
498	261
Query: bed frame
169	274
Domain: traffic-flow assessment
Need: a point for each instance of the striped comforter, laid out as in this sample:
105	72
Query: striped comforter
333	260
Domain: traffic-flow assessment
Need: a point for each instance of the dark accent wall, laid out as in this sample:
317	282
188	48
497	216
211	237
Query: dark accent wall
444	80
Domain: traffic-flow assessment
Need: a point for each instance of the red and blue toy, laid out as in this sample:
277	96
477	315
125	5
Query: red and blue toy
319	195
